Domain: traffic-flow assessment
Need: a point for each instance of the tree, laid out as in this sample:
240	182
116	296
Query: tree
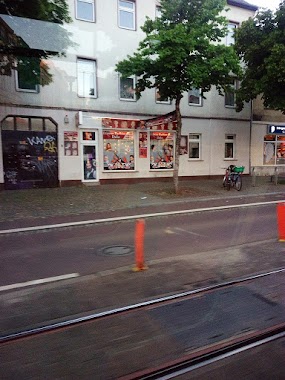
181	51
34	23
260	43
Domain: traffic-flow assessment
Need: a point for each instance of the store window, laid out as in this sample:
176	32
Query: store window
230	97
127	88
85	10
88	136
126	14
86	78
230	40
118	150
194	97
195	146
274	150
161	150
28	75
230	142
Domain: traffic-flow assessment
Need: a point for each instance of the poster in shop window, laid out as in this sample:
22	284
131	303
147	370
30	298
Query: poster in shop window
161	150
143	145
118	150
70	143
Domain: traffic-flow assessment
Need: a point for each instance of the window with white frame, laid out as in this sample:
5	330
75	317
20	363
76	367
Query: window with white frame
230	40
85	10
28	75
126	14
230	146
127	88
161	99
230	96
86	78
195	97
158	11
195	146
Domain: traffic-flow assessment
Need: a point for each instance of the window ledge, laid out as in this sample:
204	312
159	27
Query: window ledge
161	170
194	159
230	159
119	171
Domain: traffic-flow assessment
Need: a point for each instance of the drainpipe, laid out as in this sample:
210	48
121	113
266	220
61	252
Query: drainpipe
250	135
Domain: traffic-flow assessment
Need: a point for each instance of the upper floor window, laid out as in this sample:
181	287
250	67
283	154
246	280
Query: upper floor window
86	78
194	97
161	99
230	97
158	11
127	88
195	146
230	36
126	16
27	75
85	10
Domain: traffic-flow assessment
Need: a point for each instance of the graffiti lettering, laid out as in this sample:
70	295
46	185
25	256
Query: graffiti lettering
40	140
50	147
11	176
47	168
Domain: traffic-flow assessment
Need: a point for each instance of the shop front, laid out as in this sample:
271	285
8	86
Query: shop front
30	152
136	148
268	148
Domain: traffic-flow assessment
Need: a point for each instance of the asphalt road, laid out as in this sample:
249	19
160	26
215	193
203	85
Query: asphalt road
95	248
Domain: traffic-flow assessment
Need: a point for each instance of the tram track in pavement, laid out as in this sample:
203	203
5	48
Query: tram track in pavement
69	323
136	331
209	356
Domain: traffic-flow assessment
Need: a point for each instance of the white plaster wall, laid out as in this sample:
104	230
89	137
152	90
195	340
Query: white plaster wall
105	42
259	130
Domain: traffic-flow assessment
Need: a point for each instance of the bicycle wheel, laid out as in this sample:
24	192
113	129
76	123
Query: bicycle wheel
238	183
224	181
228	183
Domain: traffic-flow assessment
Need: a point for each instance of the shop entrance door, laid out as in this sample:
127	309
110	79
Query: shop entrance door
90	157
30	155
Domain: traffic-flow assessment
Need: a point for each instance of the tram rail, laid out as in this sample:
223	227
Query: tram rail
9	338
209	356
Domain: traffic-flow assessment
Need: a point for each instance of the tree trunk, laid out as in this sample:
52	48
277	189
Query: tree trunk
177	146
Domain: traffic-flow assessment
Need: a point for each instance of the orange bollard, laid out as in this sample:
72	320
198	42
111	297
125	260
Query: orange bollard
281	221
139	245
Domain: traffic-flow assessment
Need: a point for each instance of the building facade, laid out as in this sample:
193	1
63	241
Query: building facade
87	126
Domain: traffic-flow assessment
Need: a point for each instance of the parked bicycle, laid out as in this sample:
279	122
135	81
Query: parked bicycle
232	177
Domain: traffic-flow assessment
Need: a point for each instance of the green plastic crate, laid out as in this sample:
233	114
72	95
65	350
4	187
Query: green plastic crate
239	169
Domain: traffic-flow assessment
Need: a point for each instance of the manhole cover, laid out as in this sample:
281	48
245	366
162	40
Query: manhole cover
117	250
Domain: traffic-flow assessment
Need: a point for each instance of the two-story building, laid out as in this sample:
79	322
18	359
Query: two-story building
87	126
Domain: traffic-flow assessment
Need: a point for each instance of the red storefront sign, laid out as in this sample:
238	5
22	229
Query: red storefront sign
114	135
120	123
161	136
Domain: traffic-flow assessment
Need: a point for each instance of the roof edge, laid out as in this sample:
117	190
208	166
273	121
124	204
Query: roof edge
242	4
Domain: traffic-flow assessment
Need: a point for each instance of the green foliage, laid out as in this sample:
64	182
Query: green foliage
45	10
13	45
260	43
181	50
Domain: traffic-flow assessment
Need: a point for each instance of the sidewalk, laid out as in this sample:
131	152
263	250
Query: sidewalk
85	201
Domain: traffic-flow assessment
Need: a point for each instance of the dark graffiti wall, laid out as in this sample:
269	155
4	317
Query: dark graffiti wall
30	159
